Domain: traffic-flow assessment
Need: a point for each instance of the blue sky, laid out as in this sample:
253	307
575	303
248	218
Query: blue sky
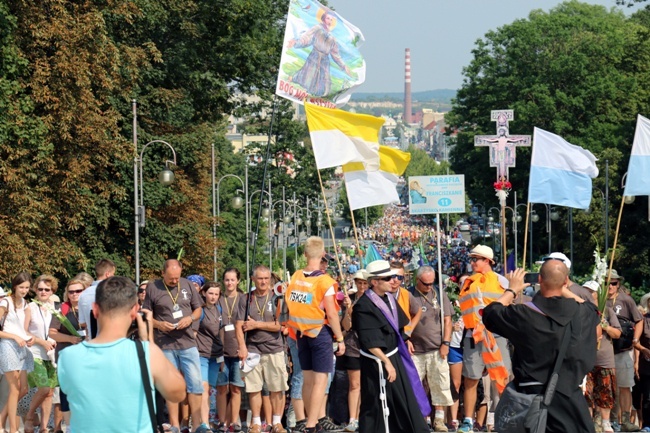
440	33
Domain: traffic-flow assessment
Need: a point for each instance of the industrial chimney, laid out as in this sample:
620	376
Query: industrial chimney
407	88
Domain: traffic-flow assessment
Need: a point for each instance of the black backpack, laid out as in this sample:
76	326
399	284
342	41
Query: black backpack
624	342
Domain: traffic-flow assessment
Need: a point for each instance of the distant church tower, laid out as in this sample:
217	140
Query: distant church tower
408	109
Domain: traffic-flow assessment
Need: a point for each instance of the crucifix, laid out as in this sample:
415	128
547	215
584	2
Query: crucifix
502	145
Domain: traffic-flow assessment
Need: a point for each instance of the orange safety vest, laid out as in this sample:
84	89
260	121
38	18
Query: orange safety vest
404	301
304	297
478	291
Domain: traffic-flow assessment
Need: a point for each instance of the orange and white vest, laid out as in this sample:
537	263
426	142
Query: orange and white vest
478	291
404	301
304	298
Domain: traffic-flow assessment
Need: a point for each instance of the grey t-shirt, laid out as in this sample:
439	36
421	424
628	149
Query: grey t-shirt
625	307
208	337
427	336
605	354
232	310
262	308
160	300
582	292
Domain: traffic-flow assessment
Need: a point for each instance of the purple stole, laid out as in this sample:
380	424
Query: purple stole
409	366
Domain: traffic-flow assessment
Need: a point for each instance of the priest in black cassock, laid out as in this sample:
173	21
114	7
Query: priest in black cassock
386	366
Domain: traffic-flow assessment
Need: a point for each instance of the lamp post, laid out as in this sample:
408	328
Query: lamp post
551	215
237	203
605	217
165	177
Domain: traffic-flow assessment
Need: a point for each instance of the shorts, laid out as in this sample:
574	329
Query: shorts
43	375
210	369
473	364
435	370
624	369
271	371
316	353
295	387
348	363
187	361
455	355
601	387
231	373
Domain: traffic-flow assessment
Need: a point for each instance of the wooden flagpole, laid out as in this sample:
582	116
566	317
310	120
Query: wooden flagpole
618	225
526	234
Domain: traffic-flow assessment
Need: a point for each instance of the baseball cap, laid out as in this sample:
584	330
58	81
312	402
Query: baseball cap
559	256
250	362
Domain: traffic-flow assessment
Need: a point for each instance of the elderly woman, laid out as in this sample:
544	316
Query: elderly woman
60	333
44	375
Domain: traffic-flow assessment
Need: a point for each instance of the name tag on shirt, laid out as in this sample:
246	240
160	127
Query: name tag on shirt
230	327
177	314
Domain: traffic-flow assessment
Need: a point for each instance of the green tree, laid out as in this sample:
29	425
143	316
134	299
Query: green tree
578	71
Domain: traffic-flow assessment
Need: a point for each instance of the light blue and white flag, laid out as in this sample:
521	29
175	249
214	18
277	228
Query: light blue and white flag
638	180
560	172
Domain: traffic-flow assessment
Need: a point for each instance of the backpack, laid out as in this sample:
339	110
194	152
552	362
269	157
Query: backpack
624	342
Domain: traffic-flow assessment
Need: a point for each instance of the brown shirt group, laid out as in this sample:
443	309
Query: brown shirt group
427	335
262	308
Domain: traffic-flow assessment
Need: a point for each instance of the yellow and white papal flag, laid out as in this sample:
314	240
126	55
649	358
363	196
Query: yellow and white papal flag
373	188
339	137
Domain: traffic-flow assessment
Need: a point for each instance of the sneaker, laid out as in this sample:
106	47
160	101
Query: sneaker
453	426
327	425
236	428
439	425
465	427
616	426
203	428
255	428
628	426
606	427
266	428
353	426
646	428
317	429
300	426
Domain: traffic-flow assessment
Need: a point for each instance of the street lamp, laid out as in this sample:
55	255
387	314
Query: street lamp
237	202
551	215
165	177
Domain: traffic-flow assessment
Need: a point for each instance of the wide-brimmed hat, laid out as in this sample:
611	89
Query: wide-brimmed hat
251	361
614	275
644	300
482	251
360	275
591	285
559	256
379	268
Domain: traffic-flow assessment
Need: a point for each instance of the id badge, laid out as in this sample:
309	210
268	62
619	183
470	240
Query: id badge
230	327
177	314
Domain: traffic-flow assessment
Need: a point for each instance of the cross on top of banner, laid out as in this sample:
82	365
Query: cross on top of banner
502	145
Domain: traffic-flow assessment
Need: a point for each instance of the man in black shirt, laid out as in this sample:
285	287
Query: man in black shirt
536	336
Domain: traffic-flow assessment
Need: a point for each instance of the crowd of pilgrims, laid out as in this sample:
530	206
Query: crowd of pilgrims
40	319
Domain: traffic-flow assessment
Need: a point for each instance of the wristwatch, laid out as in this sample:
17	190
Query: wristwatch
446	343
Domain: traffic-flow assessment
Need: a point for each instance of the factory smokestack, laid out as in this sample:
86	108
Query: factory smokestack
407	88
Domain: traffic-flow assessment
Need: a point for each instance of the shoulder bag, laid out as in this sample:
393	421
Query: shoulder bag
147	386
527	413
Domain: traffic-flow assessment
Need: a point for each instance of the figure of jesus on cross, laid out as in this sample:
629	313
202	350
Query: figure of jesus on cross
502	145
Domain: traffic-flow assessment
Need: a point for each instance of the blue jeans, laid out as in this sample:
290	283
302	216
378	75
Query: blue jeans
296	376
231	374
187	361
209	370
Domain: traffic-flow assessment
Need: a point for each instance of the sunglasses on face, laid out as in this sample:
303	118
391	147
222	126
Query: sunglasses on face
41	289
385	278
74	292
613	283
142	290
426	284
399	277
475	259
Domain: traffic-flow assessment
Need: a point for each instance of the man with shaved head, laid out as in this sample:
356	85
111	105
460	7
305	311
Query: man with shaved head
175	306
536	329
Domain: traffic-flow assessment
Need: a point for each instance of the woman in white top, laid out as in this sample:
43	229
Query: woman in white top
15	358
44	375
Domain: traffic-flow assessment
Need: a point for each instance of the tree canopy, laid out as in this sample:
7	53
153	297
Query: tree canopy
579	71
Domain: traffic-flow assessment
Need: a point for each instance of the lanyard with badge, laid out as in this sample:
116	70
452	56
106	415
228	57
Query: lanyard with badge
230	327
177	314
434	302
260	311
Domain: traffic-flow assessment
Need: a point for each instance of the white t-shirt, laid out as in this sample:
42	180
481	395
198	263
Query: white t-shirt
39	326
15	318
86	300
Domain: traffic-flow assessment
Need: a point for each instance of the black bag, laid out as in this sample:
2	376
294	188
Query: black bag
157	428
527	413
624	342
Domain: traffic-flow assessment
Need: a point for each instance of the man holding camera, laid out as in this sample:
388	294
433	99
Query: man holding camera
176	305
102	377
